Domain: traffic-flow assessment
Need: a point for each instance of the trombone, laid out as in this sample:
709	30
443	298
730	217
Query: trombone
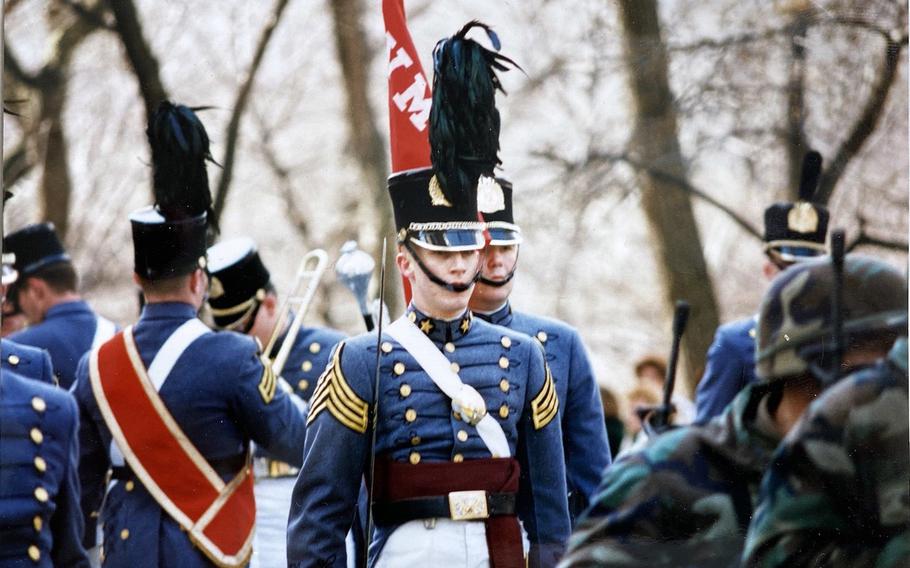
310	270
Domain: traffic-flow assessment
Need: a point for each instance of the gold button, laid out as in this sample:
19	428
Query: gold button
752	333
306	367
386	347
302	384
450	347
503	362
41	494
455	367
405	390
542	336
315	348
415	440
504	385
38	523
410	415
412	316
414	458
506	341
124	534
462	436
38	404
34	553
504	411
13	360
458	458
36	435
40	464
129	485
398	369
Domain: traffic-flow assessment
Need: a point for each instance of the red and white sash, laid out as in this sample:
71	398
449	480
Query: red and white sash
219	517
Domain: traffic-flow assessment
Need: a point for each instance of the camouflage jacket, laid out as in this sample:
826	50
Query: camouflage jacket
837	492
685	499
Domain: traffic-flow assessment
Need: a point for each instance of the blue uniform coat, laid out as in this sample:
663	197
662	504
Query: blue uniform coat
416	424
66	332
27	361
584	437
308	358
40	521
212	393
729	369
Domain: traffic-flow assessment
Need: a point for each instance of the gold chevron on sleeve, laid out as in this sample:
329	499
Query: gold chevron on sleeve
545	405
268	382
333	393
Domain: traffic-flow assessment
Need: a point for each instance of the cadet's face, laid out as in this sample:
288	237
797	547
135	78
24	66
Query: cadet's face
453	267
498	263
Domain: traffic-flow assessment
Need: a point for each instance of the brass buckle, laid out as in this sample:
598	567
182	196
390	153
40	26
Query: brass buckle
468	505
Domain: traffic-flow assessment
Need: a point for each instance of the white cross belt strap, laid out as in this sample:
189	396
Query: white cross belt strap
437	367
104	330
164	362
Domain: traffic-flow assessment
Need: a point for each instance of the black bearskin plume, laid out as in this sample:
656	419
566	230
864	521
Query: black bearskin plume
811	174
464	121
180	148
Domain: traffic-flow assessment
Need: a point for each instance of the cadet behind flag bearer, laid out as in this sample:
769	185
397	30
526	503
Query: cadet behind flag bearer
468	437
584	437
170	405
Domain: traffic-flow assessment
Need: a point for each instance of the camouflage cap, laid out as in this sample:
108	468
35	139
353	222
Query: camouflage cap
795	319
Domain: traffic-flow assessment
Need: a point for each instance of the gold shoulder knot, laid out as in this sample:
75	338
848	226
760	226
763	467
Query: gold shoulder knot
545	405
333	393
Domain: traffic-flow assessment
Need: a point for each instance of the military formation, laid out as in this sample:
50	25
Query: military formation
463	432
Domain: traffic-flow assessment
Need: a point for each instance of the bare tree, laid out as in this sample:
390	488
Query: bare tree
674	232
367	146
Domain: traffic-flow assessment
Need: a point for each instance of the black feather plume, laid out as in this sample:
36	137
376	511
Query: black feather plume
811	174
464	121
180	148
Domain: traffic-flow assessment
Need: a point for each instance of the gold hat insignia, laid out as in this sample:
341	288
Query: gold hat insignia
802	218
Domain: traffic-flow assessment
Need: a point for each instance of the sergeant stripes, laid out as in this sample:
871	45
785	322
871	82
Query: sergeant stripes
268	382
334	393
545	405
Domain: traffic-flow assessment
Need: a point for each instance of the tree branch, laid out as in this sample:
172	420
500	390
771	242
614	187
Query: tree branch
243	95
677	182
139	54
94	15
12	66
864	125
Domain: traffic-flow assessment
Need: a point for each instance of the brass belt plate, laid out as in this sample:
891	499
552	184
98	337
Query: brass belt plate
468	505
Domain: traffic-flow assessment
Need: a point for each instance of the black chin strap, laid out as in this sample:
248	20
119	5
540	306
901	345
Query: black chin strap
439	281
504	281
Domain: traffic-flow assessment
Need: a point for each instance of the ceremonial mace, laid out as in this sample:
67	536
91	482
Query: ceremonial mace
354	269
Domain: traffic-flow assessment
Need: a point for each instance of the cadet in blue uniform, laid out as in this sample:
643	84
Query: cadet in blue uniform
467	434
793	232
587	452
40	520
218	392
242	298
45	291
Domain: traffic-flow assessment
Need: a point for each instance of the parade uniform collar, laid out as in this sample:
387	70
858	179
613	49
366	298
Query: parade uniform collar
502	316
167	310
67	309
442	331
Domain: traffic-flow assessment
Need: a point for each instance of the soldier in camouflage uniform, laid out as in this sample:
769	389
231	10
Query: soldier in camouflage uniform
836	491
687	498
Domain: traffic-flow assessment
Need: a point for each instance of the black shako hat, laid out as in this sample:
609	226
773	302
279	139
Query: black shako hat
495	204
797	231
169	238
436	208
35	247
239	280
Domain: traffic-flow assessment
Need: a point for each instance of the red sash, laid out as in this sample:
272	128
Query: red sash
219	518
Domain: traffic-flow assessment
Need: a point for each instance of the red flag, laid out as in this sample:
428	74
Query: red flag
409	93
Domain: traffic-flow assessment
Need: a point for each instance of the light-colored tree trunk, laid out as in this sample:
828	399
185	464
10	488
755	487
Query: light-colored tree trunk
366	144
674	232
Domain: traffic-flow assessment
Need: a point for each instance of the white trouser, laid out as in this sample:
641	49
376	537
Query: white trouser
453	544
